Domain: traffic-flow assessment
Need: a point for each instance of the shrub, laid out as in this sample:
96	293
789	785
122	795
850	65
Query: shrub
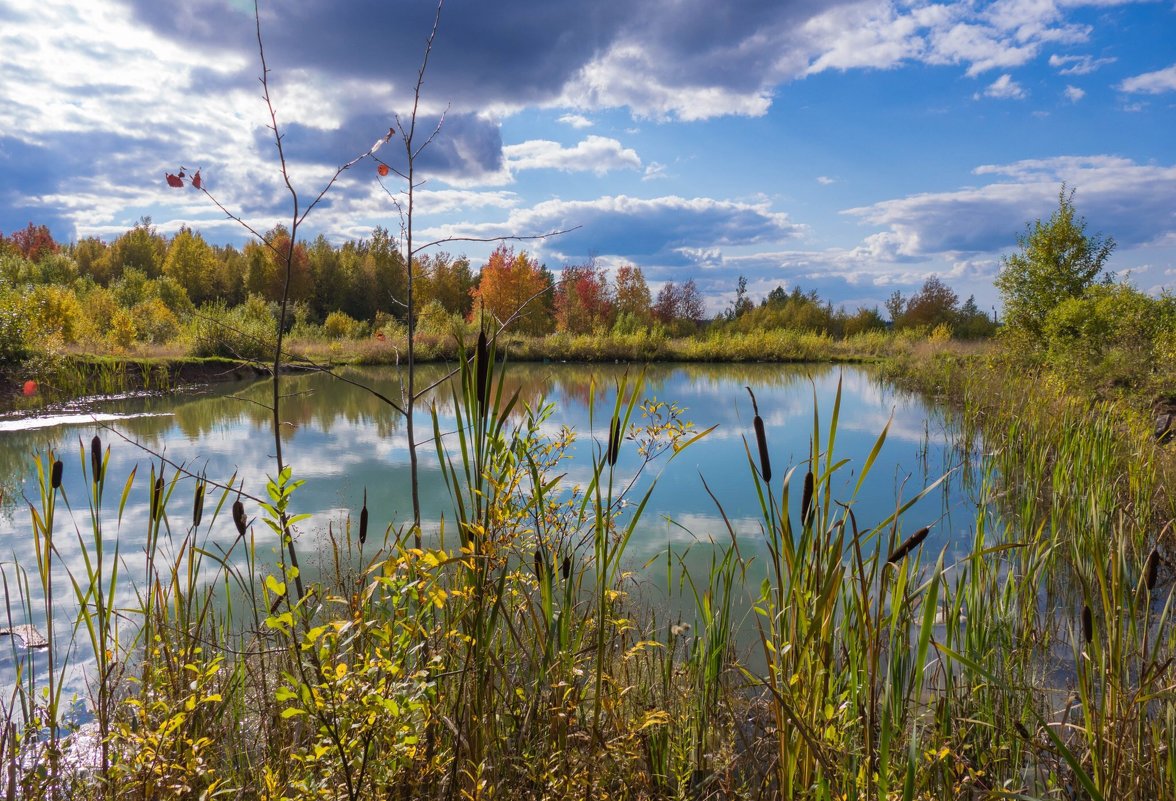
155	322
245	332
340	325
14	339
54	312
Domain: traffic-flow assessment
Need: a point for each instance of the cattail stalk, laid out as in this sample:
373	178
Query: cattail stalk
761	439
908	545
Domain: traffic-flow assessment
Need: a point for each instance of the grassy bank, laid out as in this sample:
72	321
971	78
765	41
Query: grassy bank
72	374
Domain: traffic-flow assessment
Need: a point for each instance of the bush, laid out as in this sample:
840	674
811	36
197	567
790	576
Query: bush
340	325
155	322
244	332
54	312
14	338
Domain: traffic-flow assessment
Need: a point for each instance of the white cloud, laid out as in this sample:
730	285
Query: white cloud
576	120
1078	65
1074	94
1151	83
653	171
825	180
1128	200
597	154
1004	88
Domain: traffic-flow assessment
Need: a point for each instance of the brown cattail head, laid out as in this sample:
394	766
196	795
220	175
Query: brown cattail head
614	441
239	518
1021	730
1087	623
363	520
481	371
1152	569
565	567
55	474
96	458
539	563
908	545
806	499
761	439
157	499
198	504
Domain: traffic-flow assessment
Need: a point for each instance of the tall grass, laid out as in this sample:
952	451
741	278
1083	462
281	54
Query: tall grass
510	655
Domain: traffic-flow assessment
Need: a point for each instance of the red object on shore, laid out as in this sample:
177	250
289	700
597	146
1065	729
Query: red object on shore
30	387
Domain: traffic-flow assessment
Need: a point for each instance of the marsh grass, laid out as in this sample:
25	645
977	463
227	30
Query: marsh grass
512	655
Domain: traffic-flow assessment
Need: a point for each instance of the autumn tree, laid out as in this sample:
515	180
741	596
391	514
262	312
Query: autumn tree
34	242
632	296
680	308
508	283
934	304
583	300
1056	261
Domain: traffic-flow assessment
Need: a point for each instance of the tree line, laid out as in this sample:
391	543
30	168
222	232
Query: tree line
144	287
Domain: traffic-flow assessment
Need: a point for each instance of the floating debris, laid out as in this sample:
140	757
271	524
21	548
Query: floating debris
28	635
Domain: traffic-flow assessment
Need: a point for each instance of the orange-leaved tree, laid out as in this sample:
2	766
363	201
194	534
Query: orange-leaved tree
508	288
583	300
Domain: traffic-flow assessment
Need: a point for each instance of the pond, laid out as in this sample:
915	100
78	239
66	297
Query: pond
344	441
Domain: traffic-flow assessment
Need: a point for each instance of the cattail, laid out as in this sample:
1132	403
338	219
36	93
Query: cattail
1021	730
538	563
198	504
363	520
96	458
1087	623
806	500
239	517
55	474
614	442
481	370
565	567
761	439
1153	569
908	545
157	499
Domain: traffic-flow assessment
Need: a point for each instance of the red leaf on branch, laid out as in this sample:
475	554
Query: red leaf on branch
174	180
196	182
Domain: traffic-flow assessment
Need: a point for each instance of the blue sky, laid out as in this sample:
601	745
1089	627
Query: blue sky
854	148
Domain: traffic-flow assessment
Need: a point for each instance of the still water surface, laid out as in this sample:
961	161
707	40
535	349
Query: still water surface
343	441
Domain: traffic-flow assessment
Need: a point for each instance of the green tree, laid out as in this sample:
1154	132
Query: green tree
192	263
141	248
1056	261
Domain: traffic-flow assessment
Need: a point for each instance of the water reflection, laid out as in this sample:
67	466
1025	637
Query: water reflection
344	440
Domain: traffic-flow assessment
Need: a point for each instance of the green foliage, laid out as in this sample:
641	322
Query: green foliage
1113	334
339	325
14	327
1056	261
243	332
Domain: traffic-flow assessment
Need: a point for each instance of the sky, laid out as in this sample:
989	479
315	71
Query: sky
852	148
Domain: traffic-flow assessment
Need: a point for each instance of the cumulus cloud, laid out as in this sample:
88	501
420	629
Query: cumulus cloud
597	154
576	120
1074	94
1151	83
1004	88
1117	195
671	230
